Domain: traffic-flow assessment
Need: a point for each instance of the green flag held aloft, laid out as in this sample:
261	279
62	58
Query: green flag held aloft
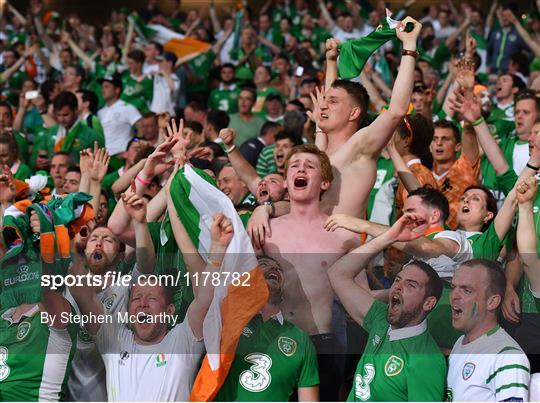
354	53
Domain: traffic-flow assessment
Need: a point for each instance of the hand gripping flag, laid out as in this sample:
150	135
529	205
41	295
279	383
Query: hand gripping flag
354	53
234	305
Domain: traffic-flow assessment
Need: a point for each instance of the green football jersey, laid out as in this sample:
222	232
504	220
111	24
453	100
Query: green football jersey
35	359
398	365
224	100
138	93
273	359
200	67
385	172
266	164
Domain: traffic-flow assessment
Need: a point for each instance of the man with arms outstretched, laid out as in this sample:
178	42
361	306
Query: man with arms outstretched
401	361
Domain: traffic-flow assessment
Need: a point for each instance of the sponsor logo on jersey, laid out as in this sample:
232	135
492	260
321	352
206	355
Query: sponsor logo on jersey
287	345
4	368
23	329
124	355
393	366
160	360
247	332
513	399
468	370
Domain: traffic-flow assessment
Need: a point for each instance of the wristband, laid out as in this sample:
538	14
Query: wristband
406	52
230	149
478	121
532	167
143	181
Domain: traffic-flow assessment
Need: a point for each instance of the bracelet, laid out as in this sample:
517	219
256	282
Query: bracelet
145	182
215	263
230	149
406	52
478	121
532	167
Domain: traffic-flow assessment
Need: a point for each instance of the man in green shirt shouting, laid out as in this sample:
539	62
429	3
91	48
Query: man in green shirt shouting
401	361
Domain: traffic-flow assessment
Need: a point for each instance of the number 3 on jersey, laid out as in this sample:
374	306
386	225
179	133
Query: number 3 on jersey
4	368
257	378
362	389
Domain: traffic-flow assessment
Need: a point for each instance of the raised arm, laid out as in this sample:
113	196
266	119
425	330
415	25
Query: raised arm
527	38
451	40
135	206
221	233
243	168
470	107
326	15
404	173
85	296
357	300
216	26
526	235
371	140
98	171
89	64
332	52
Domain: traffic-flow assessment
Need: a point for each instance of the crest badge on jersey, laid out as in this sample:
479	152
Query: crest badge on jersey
109	301
160	360
393	366
287	346
468	370
23	329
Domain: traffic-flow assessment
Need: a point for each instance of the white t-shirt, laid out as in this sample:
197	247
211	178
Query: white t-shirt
490	368
117	121
445	266
520	157
164	99
87	380
343	36
159	372
148	69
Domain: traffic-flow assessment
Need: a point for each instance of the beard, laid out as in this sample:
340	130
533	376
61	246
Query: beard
402	319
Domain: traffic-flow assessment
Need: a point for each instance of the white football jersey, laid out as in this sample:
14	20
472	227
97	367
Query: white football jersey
159	372
490	368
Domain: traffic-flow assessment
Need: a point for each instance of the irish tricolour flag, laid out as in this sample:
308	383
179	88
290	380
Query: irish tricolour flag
197	200
184	48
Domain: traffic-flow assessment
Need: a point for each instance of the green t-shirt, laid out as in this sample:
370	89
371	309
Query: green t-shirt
23	172
530	304
266	164
22	145
35	360
11	87
385	172
200	68
224	100
77	139
398	365
137	92
273	359
245	130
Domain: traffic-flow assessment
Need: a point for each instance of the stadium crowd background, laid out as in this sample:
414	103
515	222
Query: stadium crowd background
380	168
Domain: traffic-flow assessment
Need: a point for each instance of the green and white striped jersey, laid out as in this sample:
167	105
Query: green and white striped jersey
490	368
35	359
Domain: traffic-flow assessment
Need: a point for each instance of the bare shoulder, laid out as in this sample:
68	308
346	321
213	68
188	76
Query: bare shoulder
348	239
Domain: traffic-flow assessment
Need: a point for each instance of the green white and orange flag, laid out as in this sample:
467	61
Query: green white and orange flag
234	305
183	47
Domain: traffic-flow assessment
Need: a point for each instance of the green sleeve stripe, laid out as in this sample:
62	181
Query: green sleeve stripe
504	368
512	385
508	348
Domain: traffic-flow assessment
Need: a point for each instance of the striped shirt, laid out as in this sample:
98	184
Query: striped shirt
490	368
266	163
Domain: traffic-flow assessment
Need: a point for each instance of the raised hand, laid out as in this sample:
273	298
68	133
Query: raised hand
100	163
408	228
7	186
85	160
183	139
135	206
332	51
317	99
227	135
526	190
157	162
468	105
408	38
465	74
222	230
